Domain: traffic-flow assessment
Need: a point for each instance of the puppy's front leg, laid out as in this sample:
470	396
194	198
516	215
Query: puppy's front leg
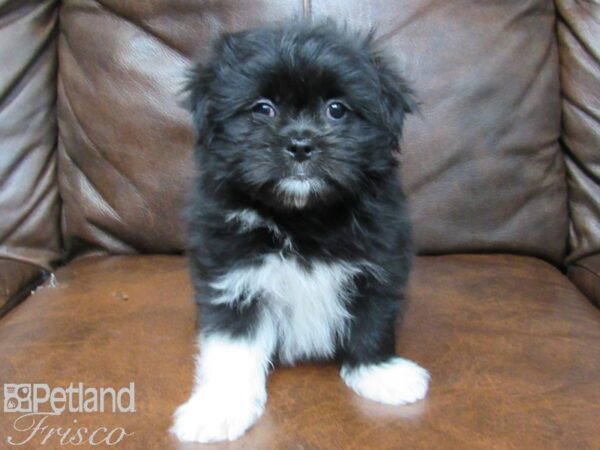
370	366
230	385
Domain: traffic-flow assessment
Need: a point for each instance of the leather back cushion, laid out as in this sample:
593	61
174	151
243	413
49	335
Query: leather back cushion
579	39
481	165
29	201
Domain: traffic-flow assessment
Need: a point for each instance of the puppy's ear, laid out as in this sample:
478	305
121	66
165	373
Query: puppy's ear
397	98
197	89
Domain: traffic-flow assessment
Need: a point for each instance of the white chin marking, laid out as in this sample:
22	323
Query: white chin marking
397	381
296	192
229	394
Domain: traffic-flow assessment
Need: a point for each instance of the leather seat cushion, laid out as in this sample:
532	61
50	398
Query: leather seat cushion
17	279
513	349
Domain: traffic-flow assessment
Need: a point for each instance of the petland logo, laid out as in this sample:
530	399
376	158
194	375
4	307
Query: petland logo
38	403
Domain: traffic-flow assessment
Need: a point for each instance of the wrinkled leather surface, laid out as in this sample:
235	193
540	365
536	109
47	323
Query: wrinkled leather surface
16	281
579	37
482	165
29	204
585	274
513	349
126	138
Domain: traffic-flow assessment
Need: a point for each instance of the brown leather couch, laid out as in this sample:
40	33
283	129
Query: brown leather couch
502	168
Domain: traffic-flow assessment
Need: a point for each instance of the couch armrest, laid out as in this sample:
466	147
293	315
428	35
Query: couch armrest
585	274
17	280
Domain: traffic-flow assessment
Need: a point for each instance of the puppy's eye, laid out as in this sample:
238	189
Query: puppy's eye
264	108
336	110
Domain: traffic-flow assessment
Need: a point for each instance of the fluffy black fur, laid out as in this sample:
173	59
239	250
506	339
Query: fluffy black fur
358	212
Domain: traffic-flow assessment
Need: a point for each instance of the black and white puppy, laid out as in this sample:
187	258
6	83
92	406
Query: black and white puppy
299	240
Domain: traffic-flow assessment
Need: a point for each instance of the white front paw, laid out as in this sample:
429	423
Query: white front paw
211	415
396	381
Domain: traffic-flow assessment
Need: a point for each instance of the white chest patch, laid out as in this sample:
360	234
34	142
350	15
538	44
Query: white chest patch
304	309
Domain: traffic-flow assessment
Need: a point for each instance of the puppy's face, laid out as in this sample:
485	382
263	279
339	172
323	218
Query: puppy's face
297	117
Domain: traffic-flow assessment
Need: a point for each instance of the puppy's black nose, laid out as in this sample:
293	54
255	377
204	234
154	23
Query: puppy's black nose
300	149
